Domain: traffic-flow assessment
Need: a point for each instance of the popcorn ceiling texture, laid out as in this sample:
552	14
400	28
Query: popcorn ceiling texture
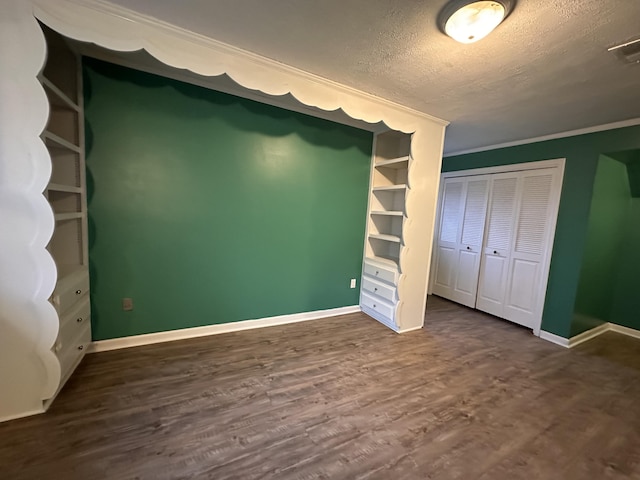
545	70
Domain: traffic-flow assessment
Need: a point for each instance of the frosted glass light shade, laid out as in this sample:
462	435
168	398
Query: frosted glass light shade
474	21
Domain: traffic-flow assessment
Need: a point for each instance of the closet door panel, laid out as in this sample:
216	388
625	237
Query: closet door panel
466	281
463	211
521	289
444	269
475	211
470	247
496	252
501	212
448	237
454	190
533	220
491	289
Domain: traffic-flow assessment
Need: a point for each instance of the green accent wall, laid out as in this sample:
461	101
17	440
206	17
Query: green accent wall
582	153
605	235
206	208
608	290
625	308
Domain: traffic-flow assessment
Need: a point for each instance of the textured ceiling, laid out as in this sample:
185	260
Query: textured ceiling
545	70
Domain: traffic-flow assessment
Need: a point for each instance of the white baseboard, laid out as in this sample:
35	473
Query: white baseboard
21	415
614	327
160	337
380	318
412	329
553	338
588	335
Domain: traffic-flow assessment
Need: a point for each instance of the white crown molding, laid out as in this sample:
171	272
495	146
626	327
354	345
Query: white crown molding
571	133
510	167
589	335
207	330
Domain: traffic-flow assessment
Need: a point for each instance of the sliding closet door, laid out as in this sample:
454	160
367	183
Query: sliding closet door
522	211
497	248
459	244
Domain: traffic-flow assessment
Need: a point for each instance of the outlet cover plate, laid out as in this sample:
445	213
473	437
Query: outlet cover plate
127	304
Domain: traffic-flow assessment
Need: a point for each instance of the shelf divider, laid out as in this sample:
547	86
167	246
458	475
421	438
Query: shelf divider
58	187
388	213
62	99
59	142
393	162
61	217
390	188
385	237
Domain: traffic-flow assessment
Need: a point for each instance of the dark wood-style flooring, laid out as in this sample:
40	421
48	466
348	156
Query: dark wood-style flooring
468	397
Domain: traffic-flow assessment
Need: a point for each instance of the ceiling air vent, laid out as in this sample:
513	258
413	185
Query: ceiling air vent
628	52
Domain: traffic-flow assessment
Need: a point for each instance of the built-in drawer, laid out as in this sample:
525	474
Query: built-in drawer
70	290
381	272
69	355
383	290
74	320
380	306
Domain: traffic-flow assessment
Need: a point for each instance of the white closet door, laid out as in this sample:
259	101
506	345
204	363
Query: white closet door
536	211
497	247
459	244
521	212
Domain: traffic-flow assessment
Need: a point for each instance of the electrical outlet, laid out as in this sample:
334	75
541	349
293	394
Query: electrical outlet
127	304
353	283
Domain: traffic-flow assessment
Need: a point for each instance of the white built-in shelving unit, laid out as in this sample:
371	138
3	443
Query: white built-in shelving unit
387	218
66	193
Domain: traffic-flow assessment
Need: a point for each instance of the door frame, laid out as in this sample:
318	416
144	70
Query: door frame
559	164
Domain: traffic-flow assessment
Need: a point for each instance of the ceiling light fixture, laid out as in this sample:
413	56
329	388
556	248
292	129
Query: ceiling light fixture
468	21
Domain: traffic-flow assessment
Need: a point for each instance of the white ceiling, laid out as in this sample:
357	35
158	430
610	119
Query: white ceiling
545	70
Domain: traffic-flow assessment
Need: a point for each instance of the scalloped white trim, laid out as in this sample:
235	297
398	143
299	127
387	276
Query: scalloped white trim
97	21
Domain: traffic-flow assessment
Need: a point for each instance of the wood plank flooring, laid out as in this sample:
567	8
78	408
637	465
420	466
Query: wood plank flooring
468	397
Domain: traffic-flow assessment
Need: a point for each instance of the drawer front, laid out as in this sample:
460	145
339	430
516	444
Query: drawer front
385	274
74	321
65	297
379	289
380	306
70	354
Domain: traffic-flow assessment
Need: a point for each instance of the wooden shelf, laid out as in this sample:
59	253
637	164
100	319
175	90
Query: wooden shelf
57	98
390	188
385	237
61	217
400	162
389	213
57	187
53	141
